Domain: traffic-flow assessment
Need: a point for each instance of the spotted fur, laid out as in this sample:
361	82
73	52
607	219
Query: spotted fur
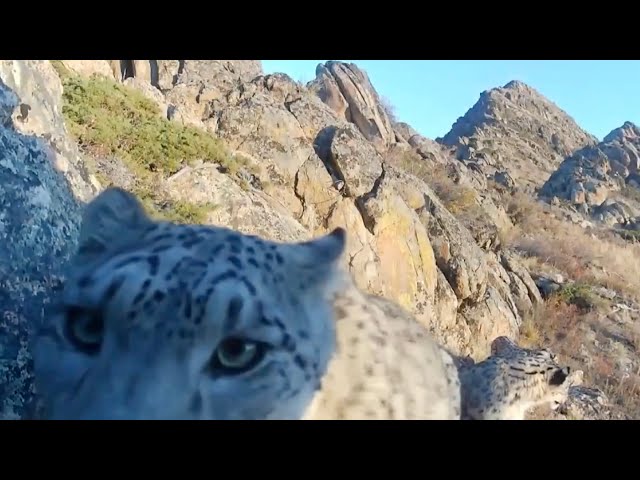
512	381
164	321
386	366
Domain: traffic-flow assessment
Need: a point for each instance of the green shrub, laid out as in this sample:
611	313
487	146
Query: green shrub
109	118
580	295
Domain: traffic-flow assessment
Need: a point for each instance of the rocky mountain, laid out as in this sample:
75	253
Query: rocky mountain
597	178
221	142
515	131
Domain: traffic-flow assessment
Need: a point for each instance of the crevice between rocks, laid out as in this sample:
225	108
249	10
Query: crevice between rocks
368	220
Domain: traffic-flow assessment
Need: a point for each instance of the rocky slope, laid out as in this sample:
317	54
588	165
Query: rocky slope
597	178
313	157
515	131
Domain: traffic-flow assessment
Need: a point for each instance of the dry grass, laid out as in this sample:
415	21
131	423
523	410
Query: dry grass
459	199
602	259
566	321
561	326
552	322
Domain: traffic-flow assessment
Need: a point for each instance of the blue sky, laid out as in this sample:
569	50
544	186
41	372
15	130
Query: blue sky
431	94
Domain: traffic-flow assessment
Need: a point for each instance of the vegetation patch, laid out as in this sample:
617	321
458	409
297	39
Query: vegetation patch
458	199
580	295
109	119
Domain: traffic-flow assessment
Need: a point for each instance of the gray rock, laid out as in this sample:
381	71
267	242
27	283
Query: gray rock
348	91
591	173
515	129
39	219
547	286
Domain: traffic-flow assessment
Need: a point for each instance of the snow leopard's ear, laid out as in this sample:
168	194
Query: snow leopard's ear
111	220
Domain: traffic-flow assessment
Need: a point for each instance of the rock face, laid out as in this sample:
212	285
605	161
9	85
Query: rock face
90	67
348	92
514	129
39	217
321	161
593	173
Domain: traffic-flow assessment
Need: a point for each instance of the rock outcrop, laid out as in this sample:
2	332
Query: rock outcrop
514	129
41	187
596	173
93	67
349	93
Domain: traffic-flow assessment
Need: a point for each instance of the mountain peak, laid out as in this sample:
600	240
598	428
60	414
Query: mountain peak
517	85
516	129
628	131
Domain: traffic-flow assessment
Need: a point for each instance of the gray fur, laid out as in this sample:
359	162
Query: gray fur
151	309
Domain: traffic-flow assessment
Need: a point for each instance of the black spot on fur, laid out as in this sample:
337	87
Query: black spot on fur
141	294
235	261
303	335
175	269
233	239
147	306
160	249
222	277
187	309
128	261
269	256
279	259
267	267
233	312
162	236
251	250
249	285
279	323
158	296
300	362
191	242
154	262
252	262
288	343
113	289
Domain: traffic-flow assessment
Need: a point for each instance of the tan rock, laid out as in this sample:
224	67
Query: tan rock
248	211
39	114
90	67
348	91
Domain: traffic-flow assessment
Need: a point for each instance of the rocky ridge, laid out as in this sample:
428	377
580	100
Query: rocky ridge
597	178
323	157
514	131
